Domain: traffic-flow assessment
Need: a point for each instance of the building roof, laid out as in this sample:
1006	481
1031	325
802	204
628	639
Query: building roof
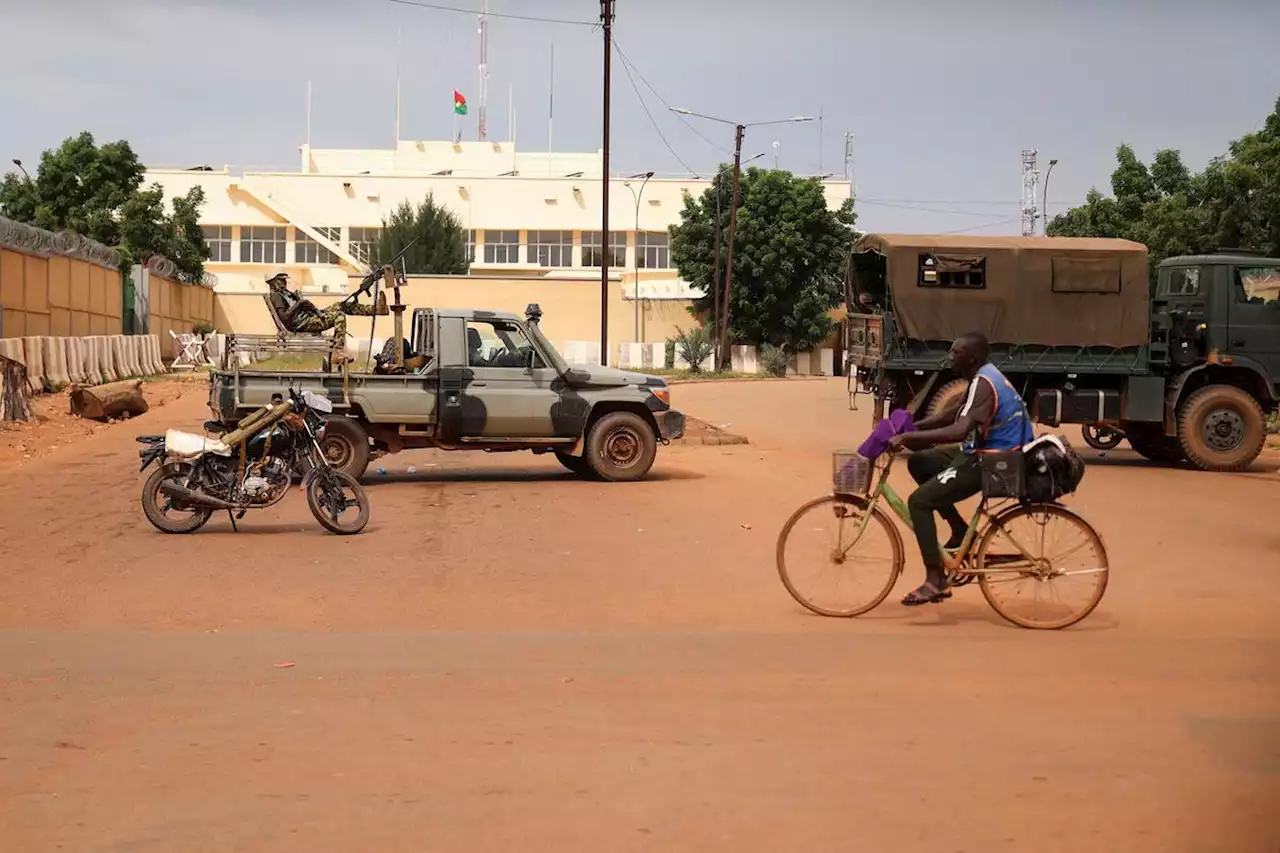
969	242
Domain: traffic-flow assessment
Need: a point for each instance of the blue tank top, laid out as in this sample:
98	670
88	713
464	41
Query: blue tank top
1010	426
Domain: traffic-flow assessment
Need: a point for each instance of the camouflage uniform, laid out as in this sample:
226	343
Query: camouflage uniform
334	317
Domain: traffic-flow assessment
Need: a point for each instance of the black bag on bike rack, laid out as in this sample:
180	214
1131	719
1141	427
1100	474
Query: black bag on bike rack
1052	468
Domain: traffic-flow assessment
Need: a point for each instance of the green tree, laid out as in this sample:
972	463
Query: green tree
442	247
1233	203
96	191
789	258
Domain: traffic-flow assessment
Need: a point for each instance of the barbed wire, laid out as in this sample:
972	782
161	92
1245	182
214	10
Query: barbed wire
165	268
22	237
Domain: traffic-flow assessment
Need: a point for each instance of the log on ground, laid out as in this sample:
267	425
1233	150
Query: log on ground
15	397
113	400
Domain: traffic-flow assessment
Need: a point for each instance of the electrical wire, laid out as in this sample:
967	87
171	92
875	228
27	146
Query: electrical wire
933	209
626	62
441	8
626	66
980	227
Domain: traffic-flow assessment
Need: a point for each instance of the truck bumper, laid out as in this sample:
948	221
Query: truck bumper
670	424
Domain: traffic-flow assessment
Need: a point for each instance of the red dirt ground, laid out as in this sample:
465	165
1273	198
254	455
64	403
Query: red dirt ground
509	658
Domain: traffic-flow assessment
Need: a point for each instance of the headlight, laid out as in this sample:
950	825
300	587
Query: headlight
663	393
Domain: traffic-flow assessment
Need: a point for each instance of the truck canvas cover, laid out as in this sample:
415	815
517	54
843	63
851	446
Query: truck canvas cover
1047	291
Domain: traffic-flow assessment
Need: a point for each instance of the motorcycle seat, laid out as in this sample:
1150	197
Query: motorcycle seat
188	444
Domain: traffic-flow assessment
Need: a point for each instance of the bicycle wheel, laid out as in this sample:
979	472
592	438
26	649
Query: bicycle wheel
846	584
1032	557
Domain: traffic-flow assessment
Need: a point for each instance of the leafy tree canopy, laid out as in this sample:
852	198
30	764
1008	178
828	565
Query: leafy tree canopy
96	191
789	257
442	249
1233	203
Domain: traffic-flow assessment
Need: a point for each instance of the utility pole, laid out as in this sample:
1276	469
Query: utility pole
1030	201
606	245
1044	226
738	131
715	272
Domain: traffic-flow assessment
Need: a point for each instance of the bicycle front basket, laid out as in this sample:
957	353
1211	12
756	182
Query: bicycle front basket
851	473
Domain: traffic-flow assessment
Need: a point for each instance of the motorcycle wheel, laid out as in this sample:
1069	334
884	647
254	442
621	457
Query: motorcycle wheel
157	507
1100	437
328	500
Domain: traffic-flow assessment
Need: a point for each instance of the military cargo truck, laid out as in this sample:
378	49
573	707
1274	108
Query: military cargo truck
1187	367
484	380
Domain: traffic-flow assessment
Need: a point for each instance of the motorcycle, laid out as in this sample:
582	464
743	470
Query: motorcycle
251	467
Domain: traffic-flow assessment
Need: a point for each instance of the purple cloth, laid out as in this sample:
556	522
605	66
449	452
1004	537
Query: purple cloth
898	422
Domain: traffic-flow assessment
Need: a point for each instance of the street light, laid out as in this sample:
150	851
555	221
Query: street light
635	275
1045	205
18	163
739	129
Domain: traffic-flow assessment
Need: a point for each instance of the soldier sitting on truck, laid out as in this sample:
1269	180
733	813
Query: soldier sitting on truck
991	417
300	315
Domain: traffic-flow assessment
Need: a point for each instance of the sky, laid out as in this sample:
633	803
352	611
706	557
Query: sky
941	97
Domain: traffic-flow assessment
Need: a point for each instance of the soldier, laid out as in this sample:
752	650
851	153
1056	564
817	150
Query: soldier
867	305
299	315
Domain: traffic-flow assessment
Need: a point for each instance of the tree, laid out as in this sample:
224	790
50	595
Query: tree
789	257
1233	203
442	247
96	191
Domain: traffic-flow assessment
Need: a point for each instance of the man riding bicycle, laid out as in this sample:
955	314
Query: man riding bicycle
990	417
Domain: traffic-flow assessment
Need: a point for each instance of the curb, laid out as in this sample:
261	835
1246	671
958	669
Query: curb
718	437
749	379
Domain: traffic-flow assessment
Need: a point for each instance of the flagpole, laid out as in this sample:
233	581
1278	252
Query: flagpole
397	87
551	101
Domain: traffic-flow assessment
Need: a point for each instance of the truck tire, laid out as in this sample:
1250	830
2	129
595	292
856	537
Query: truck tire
1154	445
1221	428
621	447
948	395
346	445
576	464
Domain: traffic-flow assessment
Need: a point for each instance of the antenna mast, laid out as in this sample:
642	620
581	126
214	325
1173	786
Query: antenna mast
849	173
483	123
1030	194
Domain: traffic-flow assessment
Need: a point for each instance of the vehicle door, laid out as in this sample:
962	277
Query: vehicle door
1255	319
511	381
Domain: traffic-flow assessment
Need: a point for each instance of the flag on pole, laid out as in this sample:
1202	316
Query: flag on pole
459	103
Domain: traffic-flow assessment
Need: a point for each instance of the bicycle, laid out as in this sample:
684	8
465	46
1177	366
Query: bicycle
853	499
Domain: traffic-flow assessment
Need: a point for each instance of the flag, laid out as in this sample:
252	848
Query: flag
459	103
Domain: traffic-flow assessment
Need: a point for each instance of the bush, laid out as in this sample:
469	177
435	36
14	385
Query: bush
774	360
669	358
202	329
694	347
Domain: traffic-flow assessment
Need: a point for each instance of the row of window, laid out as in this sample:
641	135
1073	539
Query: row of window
267	244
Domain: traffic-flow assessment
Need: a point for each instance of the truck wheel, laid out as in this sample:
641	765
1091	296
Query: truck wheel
948	395
1221	428
1156	446
621	447
576	464
345	445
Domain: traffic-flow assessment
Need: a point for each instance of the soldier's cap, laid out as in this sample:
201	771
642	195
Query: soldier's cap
273	276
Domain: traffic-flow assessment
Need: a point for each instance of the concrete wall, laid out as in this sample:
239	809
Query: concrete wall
177	306
57	296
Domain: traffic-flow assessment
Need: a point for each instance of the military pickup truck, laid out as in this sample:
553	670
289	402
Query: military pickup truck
1186	367
484	380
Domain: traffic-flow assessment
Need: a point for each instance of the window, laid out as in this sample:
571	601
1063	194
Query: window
592	254
1258	285
1182	281
308	251
653	251
951	271
362	243
218	239
471	246
551	248
262	244
498	343
502	247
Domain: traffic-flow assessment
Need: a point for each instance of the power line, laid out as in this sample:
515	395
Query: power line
626	66
928	209
626	61
966	201
1008	221
441	8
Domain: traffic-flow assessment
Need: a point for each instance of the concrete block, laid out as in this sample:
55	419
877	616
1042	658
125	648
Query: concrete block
92	360
157	355
12	348
630	356
744	359
708	363
827	362
55	361
581	352
33	354
138	352
102	346
75	360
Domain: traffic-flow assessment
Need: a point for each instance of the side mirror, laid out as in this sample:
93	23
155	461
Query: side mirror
530	359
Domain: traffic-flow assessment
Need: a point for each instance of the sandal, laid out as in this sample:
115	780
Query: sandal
927	593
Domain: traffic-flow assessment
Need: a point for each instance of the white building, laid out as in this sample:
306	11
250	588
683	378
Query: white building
525	214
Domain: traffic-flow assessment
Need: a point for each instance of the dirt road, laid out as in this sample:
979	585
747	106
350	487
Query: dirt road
509	658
